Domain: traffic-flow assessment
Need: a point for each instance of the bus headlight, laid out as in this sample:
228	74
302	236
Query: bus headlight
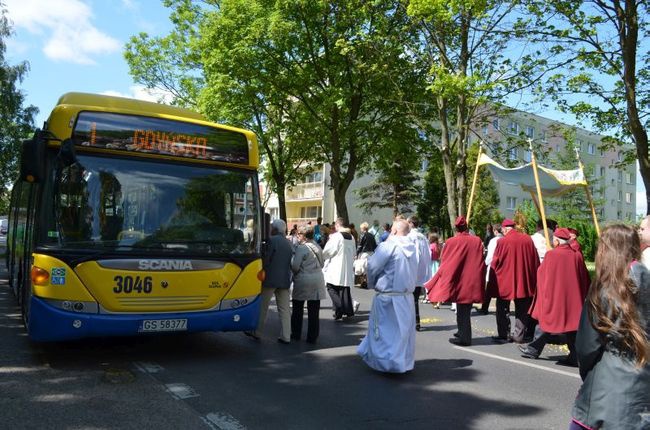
40	276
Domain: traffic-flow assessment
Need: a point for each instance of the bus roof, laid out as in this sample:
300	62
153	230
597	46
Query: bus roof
103	101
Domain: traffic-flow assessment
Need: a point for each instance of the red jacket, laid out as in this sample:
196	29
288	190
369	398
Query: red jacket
514	265
461	276
562	285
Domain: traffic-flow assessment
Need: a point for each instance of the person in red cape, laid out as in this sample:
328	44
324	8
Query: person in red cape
514	267
573	241
460	278
562	285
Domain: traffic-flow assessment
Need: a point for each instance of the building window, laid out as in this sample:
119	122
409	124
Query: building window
275	213
527	156
619	214
620	196
628	197
310	211
512	154
511	202
485	130
602	171
629	178
619	157
591	148
543	136
530	132
495	124
579	144
513	128
602	152
620	176
313	177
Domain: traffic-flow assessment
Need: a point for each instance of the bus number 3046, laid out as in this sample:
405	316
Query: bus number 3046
129	284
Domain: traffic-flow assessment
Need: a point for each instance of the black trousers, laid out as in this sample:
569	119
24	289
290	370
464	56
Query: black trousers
524	324
313	309
542	338
416	297
341	300
464	323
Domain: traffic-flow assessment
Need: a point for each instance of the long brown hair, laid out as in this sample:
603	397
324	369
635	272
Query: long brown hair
611	299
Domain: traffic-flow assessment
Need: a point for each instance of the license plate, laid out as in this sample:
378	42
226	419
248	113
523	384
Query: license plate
163	325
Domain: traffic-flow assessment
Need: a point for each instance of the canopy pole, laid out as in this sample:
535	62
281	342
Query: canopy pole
471	194
588	192
534	197
539	193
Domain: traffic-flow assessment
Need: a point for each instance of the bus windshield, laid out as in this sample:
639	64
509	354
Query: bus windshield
117	204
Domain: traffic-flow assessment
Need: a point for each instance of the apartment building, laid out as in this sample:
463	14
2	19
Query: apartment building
312	197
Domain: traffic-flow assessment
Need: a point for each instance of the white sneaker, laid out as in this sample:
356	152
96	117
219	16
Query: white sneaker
355	305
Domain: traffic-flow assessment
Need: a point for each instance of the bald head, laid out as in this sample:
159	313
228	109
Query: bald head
401	227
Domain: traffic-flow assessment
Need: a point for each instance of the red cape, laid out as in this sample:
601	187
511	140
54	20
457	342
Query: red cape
562	284
461	276
514	265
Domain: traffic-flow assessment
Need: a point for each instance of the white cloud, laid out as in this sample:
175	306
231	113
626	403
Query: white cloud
67	26
141	93
130	4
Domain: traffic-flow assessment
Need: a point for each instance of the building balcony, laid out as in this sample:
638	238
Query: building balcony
304	192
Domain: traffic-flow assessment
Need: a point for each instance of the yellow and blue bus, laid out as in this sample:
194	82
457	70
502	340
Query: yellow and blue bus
130	217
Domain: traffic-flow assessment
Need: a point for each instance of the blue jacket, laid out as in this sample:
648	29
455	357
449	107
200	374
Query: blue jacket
277	263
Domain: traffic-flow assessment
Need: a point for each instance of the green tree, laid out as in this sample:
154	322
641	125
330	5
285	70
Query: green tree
16	121
606	48
396	162
472	54
486	196
432	208
319	67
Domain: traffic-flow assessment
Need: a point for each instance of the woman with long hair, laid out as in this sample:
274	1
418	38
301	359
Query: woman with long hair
612	341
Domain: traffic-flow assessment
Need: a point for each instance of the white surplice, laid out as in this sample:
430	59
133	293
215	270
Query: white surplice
389	345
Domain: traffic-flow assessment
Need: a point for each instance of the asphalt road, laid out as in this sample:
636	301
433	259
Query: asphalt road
229	381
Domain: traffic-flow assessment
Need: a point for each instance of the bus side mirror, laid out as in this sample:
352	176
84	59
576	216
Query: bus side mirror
67	153
32	160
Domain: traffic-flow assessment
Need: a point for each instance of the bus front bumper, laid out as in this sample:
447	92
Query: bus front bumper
49	324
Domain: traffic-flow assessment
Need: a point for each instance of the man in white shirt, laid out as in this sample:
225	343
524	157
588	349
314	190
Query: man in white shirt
540	240
338	254
423	258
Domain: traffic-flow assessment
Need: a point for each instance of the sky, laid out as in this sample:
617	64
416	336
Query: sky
78	45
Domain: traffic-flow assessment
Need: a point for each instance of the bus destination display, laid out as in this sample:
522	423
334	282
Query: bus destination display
159	136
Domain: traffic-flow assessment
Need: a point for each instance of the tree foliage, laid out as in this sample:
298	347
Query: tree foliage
473	57
16	121
605	46
396	162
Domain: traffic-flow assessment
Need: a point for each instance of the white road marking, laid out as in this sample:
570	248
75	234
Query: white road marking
147	367
222	421
181	391
510	360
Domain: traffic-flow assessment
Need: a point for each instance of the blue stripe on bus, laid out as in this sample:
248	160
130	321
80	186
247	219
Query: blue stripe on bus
48	324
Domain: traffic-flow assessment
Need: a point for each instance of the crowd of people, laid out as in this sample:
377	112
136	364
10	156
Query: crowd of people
603	321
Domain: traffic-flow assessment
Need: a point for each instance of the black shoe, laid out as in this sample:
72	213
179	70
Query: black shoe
528	352
458	342
312	341
500	339
567	362
282	341
337	316
295	337
418	327
456	334
252	335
